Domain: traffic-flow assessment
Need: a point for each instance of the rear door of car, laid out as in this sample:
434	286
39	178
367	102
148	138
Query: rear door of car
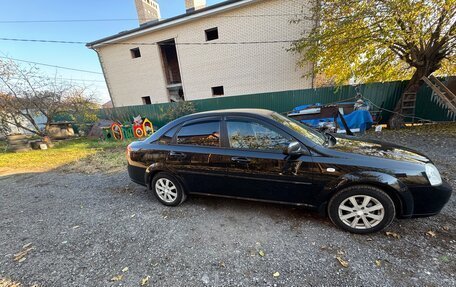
195	155
257	166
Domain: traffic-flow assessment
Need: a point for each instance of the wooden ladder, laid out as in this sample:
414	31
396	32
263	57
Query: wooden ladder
408	105
442	95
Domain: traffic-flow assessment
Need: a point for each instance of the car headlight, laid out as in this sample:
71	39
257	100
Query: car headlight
433	174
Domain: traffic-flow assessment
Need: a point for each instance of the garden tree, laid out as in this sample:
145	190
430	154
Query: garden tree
179	109
381	40
4	127
25	95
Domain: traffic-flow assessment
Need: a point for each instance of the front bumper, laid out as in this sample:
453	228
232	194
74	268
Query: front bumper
429	200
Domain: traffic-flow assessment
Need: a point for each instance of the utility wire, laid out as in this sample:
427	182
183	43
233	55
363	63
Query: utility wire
151	43
54	66
41	41
402	115
68	79
60	79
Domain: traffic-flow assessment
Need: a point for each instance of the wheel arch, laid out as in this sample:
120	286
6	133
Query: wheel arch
396	190
392	193
156	168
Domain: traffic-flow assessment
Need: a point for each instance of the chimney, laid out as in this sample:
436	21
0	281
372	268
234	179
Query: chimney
192	5
148	10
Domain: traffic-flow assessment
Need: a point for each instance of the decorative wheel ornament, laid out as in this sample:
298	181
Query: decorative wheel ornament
148	128
138	131
117	133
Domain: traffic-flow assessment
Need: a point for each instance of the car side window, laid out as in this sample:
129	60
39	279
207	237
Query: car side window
255	136
168	136
200	134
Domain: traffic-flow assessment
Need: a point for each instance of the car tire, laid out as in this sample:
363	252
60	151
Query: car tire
361	209
167	189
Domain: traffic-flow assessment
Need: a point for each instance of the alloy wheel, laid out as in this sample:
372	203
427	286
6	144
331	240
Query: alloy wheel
166	190
361	211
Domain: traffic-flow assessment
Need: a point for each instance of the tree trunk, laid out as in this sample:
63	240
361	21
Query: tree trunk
396	120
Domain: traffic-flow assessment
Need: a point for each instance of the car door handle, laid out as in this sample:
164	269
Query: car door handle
240	159
177	154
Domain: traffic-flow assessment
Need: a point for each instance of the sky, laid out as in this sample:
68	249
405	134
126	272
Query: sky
70	55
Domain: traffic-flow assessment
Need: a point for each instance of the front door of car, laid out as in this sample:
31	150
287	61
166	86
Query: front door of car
257	166
195	155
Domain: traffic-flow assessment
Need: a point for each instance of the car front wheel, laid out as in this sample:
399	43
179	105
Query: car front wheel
167	189
361	209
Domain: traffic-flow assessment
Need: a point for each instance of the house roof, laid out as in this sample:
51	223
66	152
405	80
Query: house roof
162	24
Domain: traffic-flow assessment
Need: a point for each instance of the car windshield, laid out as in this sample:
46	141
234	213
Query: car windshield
309	133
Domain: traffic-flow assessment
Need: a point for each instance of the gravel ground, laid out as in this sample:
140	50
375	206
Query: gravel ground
85	229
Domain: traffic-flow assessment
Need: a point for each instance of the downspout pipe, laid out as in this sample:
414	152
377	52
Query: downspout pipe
104	75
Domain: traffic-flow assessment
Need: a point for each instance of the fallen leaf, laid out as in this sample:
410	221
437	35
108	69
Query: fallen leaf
145	281
446	228
26	245
276	274
261	253
323	247
378	263
125	269
431	233
9	283
222	264
393	234
117	278
20	256
342	262
340	252
442	258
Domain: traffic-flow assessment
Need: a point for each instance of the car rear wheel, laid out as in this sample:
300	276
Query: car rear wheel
167	189
361	209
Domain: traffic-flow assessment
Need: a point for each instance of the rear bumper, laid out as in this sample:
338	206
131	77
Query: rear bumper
137	174
429	200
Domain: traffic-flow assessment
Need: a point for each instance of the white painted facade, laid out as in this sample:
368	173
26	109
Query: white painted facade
240	68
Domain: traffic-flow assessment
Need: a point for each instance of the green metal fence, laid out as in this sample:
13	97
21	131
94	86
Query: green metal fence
383	95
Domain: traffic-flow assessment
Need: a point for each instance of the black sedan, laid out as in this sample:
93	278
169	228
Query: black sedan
261	155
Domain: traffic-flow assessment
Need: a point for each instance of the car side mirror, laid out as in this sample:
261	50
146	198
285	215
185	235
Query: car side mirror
294	149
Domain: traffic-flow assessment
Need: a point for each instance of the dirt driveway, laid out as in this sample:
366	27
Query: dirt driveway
100	230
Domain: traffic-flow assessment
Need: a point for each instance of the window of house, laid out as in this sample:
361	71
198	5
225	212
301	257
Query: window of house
200	134
218	91
146	100
135	53
255	136
212	34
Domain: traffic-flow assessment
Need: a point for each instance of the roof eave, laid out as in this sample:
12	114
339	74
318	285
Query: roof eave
177	20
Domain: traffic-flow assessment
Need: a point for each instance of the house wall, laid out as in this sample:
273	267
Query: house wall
241	69
39	119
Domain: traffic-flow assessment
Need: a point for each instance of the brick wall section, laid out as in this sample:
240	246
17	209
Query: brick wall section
147	10
241	69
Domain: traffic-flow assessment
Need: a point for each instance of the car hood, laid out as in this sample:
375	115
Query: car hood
378	149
